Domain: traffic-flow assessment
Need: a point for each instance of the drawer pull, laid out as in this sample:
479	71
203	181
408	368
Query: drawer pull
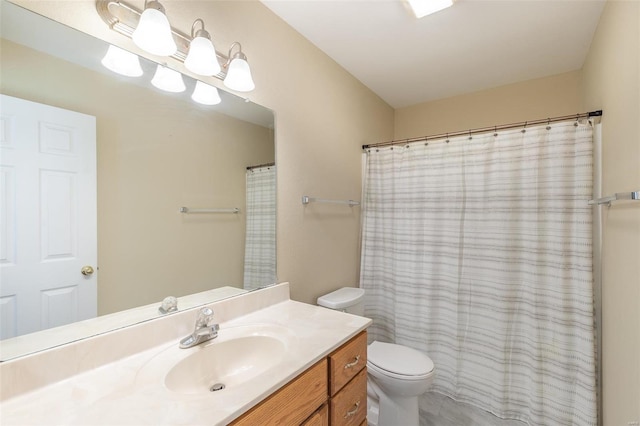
353	411
354	363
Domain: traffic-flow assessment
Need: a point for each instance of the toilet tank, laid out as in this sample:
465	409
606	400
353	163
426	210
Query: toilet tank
346	299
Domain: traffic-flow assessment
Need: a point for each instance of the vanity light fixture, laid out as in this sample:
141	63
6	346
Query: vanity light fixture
238	72
153	33
122	62
168	80
131	22
201	58
205	94
422	8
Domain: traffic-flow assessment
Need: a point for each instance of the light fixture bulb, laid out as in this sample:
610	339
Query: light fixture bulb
168	80
205	94
201	58
122	62
239	74
153	33
422	8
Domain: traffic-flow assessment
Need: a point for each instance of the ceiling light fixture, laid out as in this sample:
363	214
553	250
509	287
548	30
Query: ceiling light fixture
205	94
201	58
153	33
238	74
129	21
168	80
122	62
422	8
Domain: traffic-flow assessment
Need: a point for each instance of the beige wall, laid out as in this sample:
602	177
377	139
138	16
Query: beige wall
155	154
611	81
323	116
541	98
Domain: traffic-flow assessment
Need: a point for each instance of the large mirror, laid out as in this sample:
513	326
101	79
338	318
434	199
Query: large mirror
156	153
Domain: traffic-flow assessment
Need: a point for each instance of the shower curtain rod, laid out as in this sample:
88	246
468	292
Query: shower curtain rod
470	132
261	165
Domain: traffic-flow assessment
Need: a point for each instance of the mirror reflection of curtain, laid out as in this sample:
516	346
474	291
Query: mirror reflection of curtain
260	243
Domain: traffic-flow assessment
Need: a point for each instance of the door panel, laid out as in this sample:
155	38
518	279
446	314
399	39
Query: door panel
48	216
57	223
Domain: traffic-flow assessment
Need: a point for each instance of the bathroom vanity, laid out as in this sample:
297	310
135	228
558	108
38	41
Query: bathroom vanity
332	392
277	361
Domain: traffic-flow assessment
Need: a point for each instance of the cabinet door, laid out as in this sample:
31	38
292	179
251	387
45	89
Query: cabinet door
349	406
292	404
319	418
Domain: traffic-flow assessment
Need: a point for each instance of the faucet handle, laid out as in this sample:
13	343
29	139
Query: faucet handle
205	316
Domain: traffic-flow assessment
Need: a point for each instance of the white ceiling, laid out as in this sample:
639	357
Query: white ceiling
474	45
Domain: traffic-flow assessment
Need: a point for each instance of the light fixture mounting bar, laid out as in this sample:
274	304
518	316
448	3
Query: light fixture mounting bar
123	18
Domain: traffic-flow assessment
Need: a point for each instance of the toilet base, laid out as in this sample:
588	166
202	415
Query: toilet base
383	411
372	412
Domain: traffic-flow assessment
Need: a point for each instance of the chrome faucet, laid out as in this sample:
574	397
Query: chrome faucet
204	329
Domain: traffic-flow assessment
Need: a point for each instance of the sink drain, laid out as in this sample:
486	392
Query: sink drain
216	387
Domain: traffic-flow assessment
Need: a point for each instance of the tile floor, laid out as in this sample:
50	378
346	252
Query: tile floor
439	410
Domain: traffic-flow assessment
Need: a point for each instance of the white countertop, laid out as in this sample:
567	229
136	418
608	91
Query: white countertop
131	391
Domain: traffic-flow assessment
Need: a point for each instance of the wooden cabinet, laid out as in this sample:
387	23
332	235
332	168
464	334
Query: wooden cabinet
347	361
319	418
332	392
293	403
349	406
348	383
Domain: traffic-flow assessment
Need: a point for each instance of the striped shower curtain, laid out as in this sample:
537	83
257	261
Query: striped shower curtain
478	252
260	238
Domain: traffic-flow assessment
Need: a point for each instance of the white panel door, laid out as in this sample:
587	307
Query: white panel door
48	227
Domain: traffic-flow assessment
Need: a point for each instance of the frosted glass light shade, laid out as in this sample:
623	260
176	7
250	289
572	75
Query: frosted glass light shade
201	58
153	33
122	62
423	8
168	80
205	94
239	76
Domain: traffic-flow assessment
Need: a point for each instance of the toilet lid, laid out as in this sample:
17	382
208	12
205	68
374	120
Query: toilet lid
399	359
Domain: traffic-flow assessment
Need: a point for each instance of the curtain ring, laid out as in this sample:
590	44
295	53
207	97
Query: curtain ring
470	135
577	118
548	124
524	129
495	131
447	141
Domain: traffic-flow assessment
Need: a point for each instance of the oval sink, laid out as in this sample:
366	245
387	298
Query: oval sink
229	362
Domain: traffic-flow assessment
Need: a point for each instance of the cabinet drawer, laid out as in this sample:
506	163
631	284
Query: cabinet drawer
319	418
347	361
292	404
349	406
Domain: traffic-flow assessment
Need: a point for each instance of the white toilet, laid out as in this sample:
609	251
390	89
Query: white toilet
396	375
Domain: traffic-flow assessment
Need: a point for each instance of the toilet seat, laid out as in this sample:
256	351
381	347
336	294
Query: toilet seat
398	361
